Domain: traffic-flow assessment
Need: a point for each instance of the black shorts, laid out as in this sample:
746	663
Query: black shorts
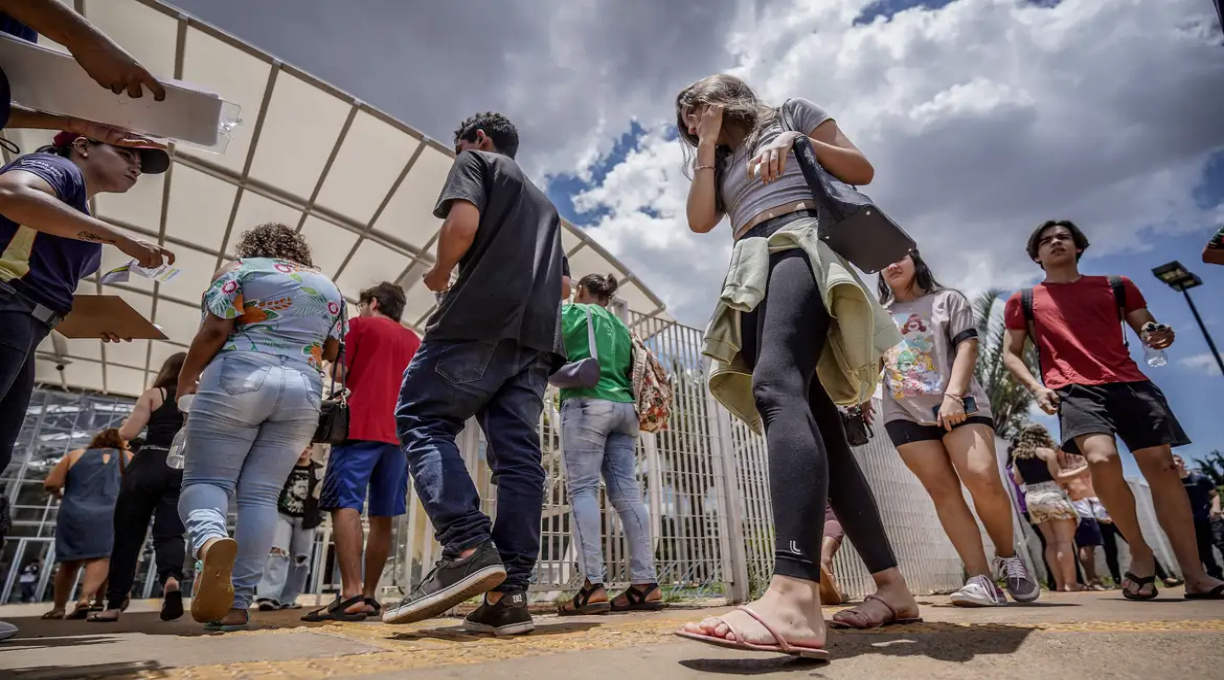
1088	533
908	432
1135	412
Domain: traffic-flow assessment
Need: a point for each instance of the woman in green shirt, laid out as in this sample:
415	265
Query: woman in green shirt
599	430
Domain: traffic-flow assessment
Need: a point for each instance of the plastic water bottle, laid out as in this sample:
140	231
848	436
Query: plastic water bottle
178	448
1154	357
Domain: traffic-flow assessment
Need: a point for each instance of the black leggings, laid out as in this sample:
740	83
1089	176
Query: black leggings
150	489
809	458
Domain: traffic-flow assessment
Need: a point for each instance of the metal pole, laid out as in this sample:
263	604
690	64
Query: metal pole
1207	336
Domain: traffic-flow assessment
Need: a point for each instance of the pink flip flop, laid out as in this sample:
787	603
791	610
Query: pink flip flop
783	647
893	620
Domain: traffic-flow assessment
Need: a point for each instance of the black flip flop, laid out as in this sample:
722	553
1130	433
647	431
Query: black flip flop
1139	584
172	606
335	611
635	600
1216	593
582	605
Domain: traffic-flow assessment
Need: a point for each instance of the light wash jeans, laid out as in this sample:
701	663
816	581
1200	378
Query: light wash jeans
288	564
252	417
601	436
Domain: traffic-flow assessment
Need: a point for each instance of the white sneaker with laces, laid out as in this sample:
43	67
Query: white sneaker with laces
1020	583
979	591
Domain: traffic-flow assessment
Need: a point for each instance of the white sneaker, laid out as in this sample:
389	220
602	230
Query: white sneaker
7	630
979	591
1020	583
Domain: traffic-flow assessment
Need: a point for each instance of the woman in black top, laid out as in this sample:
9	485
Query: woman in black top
1036	466
150	490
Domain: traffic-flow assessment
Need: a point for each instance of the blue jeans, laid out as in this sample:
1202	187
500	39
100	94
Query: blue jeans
252	417
288	562
502	385
601	436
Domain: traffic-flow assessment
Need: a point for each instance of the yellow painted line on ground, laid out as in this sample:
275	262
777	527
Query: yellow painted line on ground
427	645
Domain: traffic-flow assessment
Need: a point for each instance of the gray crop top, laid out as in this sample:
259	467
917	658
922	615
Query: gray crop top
744	198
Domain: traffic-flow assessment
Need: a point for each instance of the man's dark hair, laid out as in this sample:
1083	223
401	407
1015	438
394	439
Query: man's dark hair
1077	237
390	298
496	127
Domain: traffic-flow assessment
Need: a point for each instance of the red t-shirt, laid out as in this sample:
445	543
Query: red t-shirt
1078	333
377	350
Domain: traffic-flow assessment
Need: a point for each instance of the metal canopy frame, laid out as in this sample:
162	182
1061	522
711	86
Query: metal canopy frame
337	205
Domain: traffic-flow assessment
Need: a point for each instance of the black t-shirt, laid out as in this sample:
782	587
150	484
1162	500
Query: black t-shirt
1199	488
509	284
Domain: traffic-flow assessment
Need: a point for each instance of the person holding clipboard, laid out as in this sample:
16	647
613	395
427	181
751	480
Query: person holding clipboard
49	242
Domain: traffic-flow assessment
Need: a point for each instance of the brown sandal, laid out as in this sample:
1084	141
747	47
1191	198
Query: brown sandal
55	614
581	605
862	622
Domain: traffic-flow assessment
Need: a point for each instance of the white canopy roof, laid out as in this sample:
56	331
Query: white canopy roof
359	184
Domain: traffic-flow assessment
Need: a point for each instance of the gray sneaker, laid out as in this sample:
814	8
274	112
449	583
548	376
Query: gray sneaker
979	591
7	630
1020	583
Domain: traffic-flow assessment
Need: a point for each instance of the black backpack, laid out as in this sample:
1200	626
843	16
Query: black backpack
1119	293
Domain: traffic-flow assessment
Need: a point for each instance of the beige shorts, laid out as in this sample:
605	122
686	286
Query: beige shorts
1047	501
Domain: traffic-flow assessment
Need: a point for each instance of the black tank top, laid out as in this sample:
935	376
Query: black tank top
165	422
1034	470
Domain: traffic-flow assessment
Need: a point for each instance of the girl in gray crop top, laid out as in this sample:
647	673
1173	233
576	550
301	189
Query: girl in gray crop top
742	164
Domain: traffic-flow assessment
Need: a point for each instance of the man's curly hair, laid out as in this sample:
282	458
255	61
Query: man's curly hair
1031	438
275	241
496	127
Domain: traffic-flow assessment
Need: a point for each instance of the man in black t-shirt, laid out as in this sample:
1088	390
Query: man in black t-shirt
487	353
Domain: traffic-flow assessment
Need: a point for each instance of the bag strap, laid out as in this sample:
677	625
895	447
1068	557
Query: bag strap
806	158
1119	293
340	357
591	333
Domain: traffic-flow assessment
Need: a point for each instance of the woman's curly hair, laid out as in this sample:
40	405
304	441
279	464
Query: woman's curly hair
1031	438
108	439
275	241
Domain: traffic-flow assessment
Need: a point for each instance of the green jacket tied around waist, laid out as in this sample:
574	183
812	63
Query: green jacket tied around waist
860	331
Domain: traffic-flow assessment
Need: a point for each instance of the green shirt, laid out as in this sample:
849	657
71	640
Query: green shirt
613	345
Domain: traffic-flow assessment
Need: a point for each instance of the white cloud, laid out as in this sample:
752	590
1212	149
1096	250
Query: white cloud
1204	363
982	118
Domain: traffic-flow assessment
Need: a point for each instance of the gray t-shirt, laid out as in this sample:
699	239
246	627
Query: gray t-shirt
746	197
916	372
509	284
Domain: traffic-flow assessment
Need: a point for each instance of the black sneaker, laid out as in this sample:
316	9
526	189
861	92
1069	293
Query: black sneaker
452	581
508	617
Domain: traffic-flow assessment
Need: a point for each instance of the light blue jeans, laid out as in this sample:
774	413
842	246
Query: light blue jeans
601	436
288	561
252	416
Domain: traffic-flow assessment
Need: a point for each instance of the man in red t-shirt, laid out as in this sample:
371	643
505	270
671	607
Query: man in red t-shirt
377	350
1098	392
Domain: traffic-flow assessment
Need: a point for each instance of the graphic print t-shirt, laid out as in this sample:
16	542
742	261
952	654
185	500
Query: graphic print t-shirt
292	501
916	372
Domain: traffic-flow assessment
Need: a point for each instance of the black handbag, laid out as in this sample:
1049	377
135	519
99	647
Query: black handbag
858	432
334	411
847	219
584	373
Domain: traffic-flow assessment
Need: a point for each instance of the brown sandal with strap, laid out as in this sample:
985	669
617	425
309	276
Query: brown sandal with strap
781	646
863	622
635	599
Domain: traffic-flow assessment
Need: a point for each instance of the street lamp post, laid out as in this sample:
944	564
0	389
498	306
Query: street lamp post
1180	279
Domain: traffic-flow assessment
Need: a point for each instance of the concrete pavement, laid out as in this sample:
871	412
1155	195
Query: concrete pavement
1080	635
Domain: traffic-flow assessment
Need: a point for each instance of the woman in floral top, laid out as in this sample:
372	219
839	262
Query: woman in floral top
270	321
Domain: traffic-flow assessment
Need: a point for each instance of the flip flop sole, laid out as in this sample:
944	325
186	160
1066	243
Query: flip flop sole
804	652
587	610
215	596
887	624
172	606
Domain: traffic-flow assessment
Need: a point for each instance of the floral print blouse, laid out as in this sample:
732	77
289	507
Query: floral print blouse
279	307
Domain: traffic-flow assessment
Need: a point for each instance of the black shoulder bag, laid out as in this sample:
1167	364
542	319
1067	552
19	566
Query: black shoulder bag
847	219
334	411
858	432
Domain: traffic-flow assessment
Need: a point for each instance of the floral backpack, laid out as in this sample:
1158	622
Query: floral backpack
651	387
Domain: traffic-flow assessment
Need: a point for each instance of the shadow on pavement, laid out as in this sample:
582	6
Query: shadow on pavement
939	641
106	671
457	634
